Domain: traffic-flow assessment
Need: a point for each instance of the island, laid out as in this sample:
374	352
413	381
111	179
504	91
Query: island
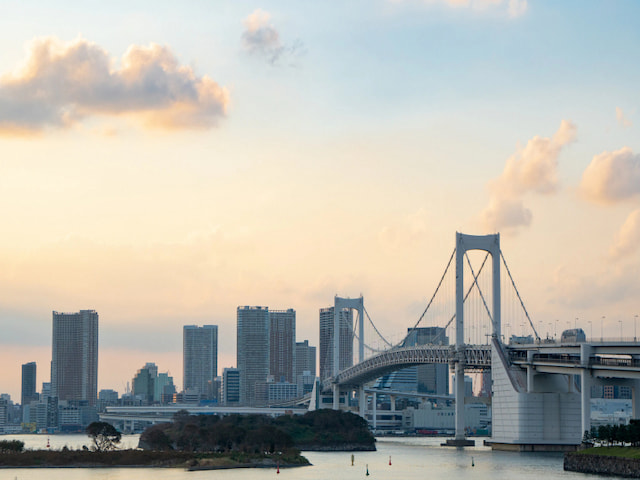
608	450
199	442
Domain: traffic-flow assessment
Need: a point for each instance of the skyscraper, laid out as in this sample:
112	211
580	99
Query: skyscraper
144	382
282	345
200	357
433	378
74	362
305	359
252	351
326	340
28	384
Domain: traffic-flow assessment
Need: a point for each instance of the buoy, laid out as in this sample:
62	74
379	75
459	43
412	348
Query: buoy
472	464
352	458
389	459
367	469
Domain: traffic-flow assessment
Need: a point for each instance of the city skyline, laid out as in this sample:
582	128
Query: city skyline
298	153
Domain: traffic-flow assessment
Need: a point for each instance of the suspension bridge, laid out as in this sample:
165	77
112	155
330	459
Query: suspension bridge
540	389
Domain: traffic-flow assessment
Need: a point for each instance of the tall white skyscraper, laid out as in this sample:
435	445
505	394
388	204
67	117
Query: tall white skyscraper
200	358
74	360
326	340
252	351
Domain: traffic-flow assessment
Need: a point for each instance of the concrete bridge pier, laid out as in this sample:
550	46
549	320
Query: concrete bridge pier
362	401
336	396
635	400
586	380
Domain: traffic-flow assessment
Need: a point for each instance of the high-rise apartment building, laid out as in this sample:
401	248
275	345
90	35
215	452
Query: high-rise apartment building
282	345
252	352
74	362
29	393
305	359
345	336
200	358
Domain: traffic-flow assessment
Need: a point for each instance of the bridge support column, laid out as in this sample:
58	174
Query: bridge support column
635	400
585	399
375	411
336	397
459	394
362	401
585	387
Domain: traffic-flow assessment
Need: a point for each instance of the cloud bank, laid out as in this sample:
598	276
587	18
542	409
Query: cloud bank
612	177
62	83
531	169
260	38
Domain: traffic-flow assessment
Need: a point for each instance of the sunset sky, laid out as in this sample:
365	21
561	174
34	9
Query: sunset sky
165	162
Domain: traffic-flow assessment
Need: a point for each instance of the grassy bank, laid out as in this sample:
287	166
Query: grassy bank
624	452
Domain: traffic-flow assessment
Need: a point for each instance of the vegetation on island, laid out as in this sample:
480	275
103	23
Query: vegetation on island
318	430
207	442
608	450
613	435
105	437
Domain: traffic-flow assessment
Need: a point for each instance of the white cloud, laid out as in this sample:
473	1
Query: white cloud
622	120
532	169
627	240
612	177
261	38
62	83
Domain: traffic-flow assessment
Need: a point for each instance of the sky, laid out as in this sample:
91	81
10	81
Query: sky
166	162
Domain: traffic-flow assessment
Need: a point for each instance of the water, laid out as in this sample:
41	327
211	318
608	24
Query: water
411	458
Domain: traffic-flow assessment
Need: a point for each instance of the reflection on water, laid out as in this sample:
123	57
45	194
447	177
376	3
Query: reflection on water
411	458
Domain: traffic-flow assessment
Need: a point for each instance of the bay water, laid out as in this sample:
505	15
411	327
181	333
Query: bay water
410	458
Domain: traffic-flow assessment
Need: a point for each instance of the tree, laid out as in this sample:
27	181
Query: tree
104	435
11	446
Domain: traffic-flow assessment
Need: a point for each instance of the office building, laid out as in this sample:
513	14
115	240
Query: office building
163	389
29	393
144	383
252	351
433	378
200	358
231	387
326	341
74	362
305	359
282	345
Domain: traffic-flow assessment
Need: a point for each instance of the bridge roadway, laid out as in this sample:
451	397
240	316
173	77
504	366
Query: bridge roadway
604	359
163	414
475	357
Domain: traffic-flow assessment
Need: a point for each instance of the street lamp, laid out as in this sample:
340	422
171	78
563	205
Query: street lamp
620	322
635	321
601	327
555	331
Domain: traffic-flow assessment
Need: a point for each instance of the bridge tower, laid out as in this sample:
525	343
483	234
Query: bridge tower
464	243
340	304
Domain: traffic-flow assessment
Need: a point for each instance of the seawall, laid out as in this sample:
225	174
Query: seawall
601	464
